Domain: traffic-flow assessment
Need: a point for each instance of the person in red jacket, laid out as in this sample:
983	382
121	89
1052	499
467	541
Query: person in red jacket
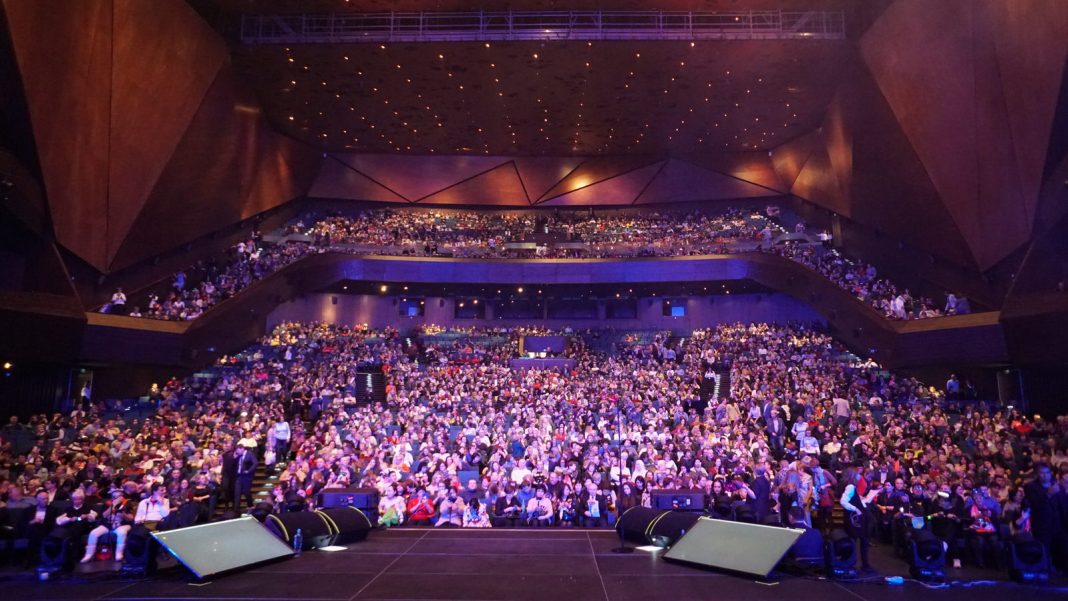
420	509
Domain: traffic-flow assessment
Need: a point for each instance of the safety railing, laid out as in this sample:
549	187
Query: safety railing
542	25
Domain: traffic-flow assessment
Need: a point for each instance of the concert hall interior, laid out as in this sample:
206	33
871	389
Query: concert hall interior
533	299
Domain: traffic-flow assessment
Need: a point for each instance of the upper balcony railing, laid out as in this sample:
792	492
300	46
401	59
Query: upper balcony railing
541	26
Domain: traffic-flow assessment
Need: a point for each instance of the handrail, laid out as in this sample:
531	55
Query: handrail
331	28
754	258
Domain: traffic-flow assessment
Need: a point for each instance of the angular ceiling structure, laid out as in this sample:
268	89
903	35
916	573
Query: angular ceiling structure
974	85
940	131
134	106
523	181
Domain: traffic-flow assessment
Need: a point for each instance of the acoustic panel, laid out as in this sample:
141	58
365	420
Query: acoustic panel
223	546
790	158
499	186
754	167
598	169
1031	48
165	58
539	174
337	180
66	75
619	190
681	181
418	177
734	546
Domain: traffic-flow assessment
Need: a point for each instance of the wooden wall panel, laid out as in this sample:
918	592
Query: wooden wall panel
597	169
681	181
817	181
499	186
921	55
228	166
974	86
134	155
838	140
891	189
789	159
165	57
286	170
338	180
540	174
66	75
753	167
1031	49
434	173
619	190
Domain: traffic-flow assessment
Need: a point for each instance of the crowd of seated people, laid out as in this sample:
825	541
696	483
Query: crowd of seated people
485	234
802	432
194	290
862	280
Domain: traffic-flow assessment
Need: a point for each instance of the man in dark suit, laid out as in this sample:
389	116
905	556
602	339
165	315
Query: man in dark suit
761	494
767	410
776	434
246	468
229	473
1041	496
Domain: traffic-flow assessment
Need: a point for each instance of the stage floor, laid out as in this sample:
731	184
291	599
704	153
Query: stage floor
484	565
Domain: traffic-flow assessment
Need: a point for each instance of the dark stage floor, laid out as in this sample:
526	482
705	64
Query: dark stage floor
483	565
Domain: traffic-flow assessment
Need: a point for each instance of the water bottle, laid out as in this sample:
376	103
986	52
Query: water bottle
298	542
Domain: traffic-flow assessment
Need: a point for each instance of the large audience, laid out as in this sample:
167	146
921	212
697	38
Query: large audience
464	440
491	234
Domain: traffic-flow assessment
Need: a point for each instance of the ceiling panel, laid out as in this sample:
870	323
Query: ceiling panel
570	98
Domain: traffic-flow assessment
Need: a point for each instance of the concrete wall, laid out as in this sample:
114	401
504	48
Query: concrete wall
701	311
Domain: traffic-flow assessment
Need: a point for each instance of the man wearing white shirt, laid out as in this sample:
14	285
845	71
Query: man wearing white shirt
282	434
154	509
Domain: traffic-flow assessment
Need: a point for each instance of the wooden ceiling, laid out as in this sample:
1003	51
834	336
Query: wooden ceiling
546	98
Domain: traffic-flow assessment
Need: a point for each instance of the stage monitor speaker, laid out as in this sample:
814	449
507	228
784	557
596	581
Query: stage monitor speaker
365	499
315	530
733	546
641	525
210	549
349	524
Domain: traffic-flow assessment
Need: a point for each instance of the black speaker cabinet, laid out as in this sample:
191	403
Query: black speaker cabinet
643	525
315	529
349	524
678	500
365	499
